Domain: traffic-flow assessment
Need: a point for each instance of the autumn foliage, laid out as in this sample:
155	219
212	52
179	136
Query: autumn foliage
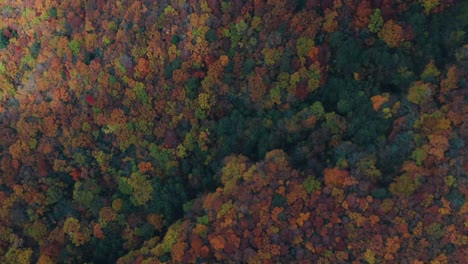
233	131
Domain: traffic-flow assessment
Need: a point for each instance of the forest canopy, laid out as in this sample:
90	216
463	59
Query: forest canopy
258	131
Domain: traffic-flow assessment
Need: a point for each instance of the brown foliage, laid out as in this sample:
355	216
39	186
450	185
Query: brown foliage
391	33
363	12
97	231
335	177
142	67
156	221
217	242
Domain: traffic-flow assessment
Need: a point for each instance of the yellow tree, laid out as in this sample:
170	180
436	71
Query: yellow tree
142	189
391	33
419	92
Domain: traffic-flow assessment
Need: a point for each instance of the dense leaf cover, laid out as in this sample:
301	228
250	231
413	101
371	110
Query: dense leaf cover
258	131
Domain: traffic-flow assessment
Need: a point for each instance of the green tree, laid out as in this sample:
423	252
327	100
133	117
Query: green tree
376	21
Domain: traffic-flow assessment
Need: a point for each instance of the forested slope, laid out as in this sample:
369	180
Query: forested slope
243	131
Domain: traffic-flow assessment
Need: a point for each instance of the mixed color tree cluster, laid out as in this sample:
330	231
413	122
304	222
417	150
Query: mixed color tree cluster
243	131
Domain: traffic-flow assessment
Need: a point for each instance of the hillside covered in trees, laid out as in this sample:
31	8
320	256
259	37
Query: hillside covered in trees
242	131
